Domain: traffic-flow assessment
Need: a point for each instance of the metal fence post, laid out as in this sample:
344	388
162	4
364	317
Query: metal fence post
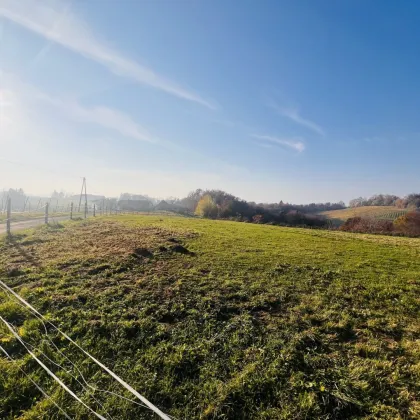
71	211
9	211
46	213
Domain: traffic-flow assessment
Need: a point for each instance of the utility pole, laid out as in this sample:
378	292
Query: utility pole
85	197
24	205
81	194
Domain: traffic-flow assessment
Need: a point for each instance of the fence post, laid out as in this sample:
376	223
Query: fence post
86	210
46	213
71	211
94	210
9	211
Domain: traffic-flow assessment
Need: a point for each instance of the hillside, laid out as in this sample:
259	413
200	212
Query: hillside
379	212
212	320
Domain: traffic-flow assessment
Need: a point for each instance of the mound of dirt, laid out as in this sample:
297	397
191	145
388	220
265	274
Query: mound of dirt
142	252
181	250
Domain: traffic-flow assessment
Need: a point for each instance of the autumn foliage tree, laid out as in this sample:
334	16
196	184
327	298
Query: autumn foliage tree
206	207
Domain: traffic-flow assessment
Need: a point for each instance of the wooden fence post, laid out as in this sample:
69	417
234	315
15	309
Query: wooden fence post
71	211
9	212
94	210
46	213
86	210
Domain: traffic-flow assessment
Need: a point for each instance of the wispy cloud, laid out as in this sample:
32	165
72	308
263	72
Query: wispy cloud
293	143
293	114
74	34
102	116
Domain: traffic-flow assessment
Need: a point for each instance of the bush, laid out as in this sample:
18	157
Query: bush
367	225
408	224
258	218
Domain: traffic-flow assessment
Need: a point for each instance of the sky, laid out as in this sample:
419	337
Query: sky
300	101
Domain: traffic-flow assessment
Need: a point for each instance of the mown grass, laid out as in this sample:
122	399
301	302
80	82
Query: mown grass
248	322
377	212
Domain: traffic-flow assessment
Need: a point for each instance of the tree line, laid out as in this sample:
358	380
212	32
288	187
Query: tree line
218	204
409	201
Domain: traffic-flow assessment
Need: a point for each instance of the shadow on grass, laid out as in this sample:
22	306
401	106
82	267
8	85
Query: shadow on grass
13	240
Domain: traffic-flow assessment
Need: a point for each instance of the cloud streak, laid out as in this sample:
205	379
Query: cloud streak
102	116
73	34
293	114
292	143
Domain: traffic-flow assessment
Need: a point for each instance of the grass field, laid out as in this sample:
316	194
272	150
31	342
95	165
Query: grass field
214	320
378	212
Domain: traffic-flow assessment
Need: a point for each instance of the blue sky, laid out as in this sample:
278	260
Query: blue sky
297	101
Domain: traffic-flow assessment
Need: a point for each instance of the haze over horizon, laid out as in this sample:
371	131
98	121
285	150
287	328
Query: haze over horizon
298	101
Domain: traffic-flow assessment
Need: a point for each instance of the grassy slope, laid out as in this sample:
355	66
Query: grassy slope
381	212
262	322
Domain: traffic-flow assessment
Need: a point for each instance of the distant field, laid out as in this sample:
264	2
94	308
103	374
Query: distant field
213	320
19	217
378	212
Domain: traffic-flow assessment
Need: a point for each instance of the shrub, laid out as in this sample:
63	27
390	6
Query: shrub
408	224
367	225
258	218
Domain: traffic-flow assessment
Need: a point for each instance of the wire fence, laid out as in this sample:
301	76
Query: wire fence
58	366
47	212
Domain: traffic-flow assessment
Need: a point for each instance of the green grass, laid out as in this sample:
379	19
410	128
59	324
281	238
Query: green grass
255	322
377	212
